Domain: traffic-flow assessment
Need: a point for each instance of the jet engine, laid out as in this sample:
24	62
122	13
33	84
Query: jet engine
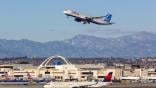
78	20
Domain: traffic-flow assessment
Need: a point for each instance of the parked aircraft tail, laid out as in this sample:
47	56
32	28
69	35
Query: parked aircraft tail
6	76
29	76
108	77
108	17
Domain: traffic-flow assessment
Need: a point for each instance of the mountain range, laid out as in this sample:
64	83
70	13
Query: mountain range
142	44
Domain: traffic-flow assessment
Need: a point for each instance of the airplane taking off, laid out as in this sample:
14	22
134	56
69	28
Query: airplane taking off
87	19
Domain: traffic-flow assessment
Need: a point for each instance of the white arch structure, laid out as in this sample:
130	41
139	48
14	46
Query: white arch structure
45	62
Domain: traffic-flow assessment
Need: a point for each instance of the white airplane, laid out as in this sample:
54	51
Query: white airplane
86	19
105	82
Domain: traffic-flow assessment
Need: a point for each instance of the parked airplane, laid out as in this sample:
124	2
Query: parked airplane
21	81
37	79
105	82
86	19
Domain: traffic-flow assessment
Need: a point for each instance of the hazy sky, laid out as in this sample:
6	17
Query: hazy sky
43	20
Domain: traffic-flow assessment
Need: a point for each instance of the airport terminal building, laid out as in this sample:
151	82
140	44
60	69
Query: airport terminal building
58	68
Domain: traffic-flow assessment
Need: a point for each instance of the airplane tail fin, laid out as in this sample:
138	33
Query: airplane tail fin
108	77
108	17
29	76
6	76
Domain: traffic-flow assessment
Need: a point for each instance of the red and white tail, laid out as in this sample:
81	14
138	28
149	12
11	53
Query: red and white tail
108	78
29	76
6	76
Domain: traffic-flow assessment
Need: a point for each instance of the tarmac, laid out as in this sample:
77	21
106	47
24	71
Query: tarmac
132	85
114	85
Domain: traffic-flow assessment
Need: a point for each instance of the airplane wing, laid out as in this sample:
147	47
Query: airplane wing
99	17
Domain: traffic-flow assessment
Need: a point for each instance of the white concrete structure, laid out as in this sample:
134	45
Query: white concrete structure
63	71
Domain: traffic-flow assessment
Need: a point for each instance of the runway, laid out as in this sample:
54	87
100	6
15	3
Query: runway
132	85
115	85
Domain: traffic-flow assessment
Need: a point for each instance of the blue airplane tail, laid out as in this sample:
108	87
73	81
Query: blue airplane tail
108	17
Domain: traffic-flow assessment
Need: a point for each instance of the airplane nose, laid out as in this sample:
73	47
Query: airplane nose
64	12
